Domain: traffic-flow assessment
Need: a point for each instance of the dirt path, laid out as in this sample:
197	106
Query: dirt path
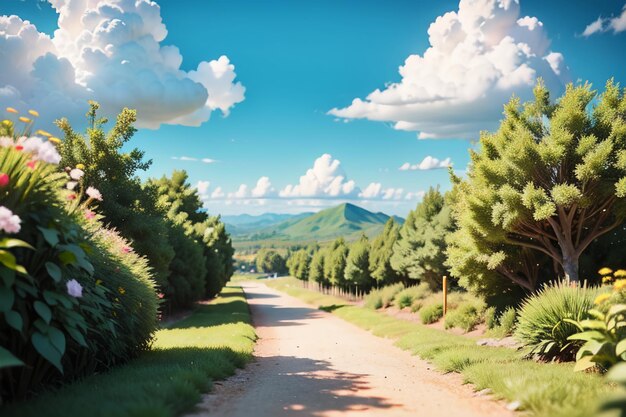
311	363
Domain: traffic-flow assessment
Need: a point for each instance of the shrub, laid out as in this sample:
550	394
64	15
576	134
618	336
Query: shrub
466	316
389	292
542	327
507	321
430	313
407	296
491	320
373	300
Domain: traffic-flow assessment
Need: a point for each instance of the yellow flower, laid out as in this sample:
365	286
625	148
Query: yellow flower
620	273
34	113
602	298
54	140
605	271
607	279
80	166
43	133
12	110
7	122
25	119
619	284
122	290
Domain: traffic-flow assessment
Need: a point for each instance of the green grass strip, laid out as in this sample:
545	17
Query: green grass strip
185	358
543	389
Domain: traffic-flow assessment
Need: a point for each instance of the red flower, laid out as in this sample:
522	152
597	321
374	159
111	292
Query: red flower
4	179
160	295
31	164
18	147
89	214
71	196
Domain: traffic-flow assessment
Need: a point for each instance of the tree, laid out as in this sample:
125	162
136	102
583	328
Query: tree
298	264
270	261
419	253
337	262
126	205
357	271
380	254
548	183
316	268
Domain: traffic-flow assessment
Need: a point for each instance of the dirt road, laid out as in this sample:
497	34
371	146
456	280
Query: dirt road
311	363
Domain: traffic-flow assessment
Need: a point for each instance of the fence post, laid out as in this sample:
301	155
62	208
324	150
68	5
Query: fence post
445	295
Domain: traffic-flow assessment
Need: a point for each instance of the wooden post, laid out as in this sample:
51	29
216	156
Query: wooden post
445	295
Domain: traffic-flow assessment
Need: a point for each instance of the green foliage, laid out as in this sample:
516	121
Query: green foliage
186	278
604	337
431	312
357	271
270	261
381	252
299	263
126	205
335	263
466	316
541	190
409	295
316	268
544	326
419	252
491	318
382	297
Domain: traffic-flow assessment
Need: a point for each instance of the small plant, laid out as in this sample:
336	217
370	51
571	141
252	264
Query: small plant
491	320
543	327
430	313
604	336
507	321
467	316
382	297
407	296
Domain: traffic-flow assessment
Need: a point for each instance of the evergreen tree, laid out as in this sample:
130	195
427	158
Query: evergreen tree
357	271
337	260
316	268
380	254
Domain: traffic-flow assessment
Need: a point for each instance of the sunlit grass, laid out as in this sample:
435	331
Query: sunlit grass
185	358
542	389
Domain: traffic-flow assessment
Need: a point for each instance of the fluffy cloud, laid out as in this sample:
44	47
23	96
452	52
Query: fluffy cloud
373	190
192	159
605	24
427	163
478	57
203	187
241	193
111	51
263	188
326	179
217	193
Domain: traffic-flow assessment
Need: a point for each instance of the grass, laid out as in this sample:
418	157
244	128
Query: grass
542	389
185	358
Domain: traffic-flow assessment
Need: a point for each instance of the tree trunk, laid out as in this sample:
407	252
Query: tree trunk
570	268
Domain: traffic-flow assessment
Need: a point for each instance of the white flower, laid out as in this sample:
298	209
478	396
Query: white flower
76	174
71	185
9	222
94	193
6	142
74	288
48	153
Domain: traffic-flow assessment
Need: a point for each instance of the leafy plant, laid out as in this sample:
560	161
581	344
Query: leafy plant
430	313
544	323
604	337
466	316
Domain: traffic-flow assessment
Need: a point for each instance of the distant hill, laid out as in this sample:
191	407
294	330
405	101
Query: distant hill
345	220
246	223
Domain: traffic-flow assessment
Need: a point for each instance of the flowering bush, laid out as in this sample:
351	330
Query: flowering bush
62	315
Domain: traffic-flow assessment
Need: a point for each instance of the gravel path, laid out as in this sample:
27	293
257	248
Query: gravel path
311	363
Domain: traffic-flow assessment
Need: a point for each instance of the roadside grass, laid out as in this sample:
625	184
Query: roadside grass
185	358
542	389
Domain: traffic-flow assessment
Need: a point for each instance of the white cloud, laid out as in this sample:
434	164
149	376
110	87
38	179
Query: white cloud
110	51
242	192
478	57
192	159
605	24
427	163
393	194
263	188
414	195
372	190
326	179
203	187
217	193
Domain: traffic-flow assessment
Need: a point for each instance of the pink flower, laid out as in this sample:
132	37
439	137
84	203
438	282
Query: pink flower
94	193
31	164
71	197
160	295
9	222
89	214
74	288
125	249
4	179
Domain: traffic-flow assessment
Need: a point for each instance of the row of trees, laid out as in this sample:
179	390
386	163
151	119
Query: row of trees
189	251
544	198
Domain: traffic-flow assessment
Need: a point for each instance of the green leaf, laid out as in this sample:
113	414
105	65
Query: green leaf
8	259
14	319
7	359
54	271
584	363
593	324
620	348
617	309
8	276
44	311
50	235
46	349
14	243
7	297
76	335
57	338
588	335
50	297
67	258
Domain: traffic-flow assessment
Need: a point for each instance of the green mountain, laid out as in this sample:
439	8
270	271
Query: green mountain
345	220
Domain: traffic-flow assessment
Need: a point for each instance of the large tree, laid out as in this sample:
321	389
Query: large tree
316	268
380	254
298	264
548	183
419	252
335	265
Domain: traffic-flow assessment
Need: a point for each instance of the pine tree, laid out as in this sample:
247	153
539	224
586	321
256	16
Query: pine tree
357	271
380	254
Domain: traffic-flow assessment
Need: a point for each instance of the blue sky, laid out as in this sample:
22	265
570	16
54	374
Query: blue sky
299	59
